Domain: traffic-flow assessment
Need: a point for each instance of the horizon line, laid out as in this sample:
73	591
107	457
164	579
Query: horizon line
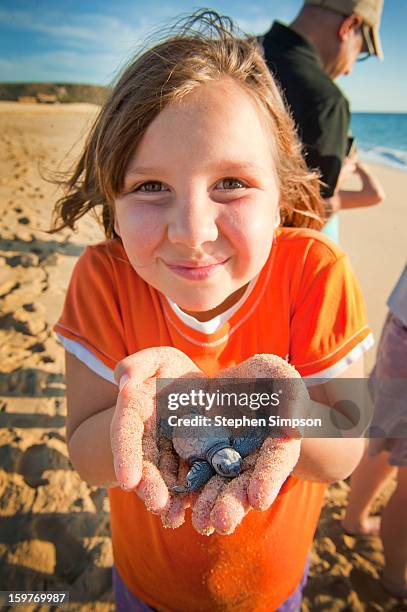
62	82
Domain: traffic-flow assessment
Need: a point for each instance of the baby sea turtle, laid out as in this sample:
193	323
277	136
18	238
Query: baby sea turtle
213	451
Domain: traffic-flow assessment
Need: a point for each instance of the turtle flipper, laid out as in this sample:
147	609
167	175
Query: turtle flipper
246	444
198	475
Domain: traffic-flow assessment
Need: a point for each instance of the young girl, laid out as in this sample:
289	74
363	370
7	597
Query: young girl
194	160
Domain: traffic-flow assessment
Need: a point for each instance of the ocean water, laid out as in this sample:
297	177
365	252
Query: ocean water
381	138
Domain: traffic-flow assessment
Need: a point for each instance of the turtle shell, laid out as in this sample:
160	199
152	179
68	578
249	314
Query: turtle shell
248	443
196	448
194	442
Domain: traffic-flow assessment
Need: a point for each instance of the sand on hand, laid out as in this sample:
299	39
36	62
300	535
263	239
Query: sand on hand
135	417
133	430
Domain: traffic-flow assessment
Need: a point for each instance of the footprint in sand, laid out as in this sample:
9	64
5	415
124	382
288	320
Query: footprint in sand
10	457
47	359
71	557
29	307
38	458
38	347
31	382
26	260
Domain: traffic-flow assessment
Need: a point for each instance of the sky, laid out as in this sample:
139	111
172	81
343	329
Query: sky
87	42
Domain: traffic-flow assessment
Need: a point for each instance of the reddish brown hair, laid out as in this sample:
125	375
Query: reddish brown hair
165	73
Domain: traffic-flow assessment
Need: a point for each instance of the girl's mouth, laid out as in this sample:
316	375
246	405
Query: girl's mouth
196	270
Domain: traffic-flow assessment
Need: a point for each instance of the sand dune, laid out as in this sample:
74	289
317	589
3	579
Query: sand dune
54	529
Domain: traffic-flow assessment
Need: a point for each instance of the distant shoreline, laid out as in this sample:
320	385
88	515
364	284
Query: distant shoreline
376	159
379	112
51	93
60	107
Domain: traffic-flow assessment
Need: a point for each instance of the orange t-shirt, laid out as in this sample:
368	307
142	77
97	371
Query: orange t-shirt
306	307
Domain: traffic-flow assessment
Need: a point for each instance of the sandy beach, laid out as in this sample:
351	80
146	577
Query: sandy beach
54	529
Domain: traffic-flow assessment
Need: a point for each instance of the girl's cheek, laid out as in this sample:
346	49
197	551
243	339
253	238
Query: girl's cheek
142	221
258	237
249	226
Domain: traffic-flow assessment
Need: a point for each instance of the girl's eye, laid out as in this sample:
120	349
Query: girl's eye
151	187
231	183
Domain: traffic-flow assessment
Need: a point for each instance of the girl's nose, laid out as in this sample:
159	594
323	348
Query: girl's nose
193	223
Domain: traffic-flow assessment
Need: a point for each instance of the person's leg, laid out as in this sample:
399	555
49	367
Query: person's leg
366	482
394	537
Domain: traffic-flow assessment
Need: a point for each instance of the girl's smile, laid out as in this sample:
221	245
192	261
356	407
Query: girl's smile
197	270
200	199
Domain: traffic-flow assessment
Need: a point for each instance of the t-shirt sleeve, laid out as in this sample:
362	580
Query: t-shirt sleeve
328	326
91	325
325	134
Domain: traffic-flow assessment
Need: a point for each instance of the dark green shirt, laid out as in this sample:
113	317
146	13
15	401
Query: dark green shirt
320	110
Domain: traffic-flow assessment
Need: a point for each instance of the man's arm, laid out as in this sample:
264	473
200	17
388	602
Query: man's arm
370	193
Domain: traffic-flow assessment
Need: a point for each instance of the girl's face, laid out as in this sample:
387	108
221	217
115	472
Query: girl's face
200	200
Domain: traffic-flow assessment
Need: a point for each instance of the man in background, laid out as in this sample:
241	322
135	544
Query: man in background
322	43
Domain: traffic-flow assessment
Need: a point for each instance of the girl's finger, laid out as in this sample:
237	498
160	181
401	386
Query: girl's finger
137	398
201	514
231	505
175	515
158	361
126	440
134	408
152	489
168	462
250	461
276	461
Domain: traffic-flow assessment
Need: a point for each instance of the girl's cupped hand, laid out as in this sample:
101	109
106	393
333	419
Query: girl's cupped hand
145	460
